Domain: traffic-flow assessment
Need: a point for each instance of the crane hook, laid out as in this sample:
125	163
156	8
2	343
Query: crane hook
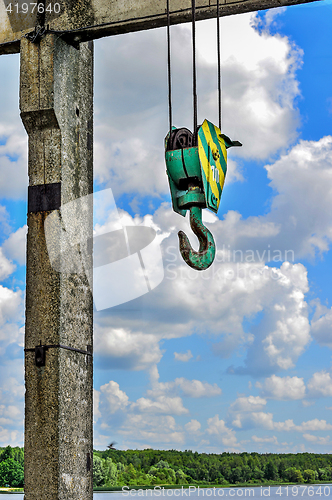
202	259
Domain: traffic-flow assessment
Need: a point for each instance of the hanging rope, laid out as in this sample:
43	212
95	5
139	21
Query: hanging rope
193	10
169	70
193	13
219	64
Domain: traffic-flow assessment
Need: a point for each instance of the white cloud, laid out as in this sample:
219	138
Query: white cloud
221	433
261	420
196	388
260	91
250	403
149	419
136	158
306	403
310	425
11	313
164	396
4	217
234	173
160	404
10	412
13	148
288	334
117	399
306	227
13	389
287	425
321	325
248	231
259	82
193	427
96	400
15	245
190	388
183	356
282	388
113	410
125	349
314	425
283	334
143	422
135	164
216	426
320	385
14	438
269	19
11	401
253	420
13	157
9	91
151	429
6	266
317	439
272	439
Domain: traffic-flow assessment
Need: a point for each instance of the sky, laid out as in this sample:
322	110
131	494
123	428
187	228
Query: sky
238	357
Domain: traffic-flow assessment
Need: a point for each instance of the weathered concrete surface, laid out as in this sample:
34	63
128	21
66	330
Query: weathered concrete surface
125	16
56	95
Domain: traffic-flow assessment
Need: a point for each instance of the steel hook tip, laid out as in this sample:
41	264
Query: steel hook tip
202	259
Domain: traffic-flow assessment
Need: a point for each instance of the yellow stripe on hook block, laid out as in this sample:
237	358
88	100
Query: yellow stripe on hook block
213	159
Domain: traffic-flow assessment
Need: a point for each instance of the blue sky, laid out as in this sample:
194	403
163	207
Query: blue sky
237	358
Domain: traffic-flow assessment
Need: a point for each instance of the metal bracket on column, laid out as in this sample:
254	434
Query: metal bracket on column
44	197
40	352
40	355
36	35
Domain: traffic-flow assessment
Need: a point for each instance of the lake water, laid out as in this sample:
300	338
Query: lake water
305	492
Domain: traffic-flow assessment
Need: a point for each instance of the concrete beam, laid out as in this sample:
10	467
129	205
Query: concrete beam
92	19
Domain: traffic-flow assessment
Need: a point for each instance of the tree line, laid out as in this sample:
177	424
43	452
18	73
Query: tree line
153	467
117	468
12	467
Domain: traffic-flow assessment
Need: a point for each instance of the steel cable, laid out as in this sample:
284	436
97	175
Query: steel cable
169	70
219	64
193	11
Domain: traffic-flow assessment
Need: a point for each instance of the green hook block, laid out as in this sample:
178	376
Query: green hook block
182	165
197	174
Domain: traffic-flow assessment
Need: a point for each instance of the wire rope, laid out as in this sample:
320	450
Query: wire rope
219	64
169	70
193	12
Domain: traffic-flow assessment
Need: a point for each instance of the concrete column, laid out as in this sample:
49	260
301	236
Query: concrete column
56	103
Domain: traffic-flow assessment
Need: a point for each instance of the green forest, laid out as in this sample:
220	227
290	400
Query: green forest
12	467
115	468
155	467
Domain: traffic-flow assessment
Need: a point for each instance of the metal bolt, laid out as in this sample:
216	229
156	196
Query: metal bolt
216	154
